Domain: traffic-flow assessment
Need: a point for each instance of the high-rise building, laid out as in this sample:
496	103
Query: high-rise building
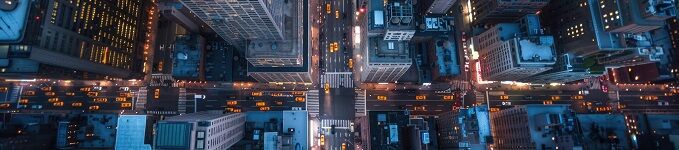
287	60
673	28
581	29
210	130
514	51
497	11
568	68
386	55
533	127
130	133
635	16
75	39
466	128
237	21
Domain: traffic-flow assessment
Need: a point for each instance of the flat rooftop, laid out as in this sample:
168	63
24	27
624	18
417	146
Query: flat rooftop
536	49
273	49
302	41
383	51
187	58
13	18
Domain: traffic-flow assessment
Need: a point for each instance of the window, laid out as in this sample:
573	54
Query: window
200	143
391	45
201	134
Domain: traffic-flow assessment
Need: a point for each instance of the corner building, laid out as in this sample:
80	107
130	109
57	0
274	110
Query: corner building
74	39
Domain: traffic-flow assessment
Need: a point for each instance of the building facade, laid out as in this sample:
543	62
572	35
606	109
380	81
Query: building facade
533	127
75	39
209	130
496	11
238	21
514	51
635	16
612	32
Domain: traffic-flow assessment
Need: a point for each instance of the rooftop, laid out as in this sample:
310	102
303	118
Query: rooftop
13	17
273	49
187	56
383	51
536	50
446	58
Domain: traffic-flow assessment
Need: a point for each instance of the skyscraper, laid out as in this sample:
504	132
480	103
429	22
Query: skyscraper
386	56
210	130
287	60
581	28
514	51
74	39
237	21
497	11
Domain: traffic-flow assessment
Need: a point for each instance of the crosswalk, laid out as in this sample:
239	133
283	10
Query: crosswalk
360	105
312	103
338	79
181	104
162	80
339	124
140	104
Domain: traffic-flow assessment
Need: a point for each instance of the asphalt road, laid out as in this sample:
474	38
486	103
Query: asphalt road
334	29
432	103
338	104
36	96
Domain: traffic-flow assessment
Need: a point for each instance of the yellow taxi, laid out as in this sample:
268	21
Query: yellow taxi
299	99
125	105
232	103
76	104
420	97
58	104
327	8
322	139
351	63
260	104
327	88
264	108
382	98
448	97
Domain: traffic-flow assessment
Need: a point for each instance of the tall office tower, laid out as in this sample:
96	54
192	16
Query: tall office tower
209	130
568	68
635	16
438	6
386	55
237	20
497	11
533	127
287	60
673	27
92	39
465	128
514	51
581	29
130	132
